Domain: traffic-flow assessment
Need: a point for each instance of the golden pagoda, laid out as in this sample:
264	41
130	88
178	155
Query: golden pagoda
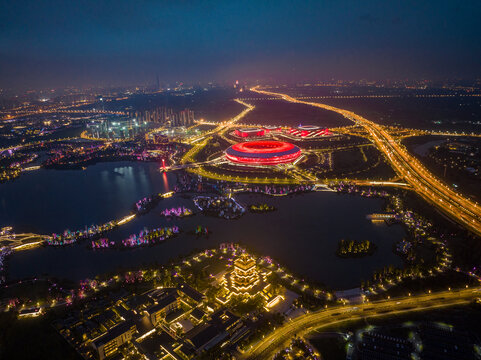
245	279
245	276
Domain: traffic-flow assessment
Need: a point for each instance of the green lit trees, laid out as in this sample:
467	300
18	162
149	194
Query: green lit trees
353	248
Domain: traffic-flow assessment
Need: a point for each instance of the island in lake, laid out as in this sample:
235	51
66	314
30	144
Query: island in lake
260	208
354	248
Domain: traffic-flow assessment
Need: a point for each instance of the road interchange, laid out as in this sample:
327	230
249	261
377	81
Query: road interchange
456	206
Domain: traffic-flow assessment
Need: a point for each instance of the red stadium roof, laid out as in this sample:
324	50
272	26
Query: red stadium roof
263	153
309	131
250	132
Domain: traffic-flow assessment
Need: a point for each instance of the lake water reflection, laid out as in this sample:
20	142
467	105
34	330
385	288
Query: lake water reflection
302	234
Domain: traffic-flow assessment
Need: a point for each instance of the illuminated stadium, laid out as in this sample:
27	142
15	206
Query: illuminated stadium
272	129
263	153
250	132
309	131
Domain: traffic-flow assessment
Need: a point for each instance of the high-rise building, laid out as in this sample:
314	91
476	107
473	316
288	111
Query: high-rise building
186	117
163	115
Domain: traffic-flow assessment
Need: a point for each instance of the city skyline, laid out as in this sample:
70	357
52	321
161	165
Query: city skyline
58	44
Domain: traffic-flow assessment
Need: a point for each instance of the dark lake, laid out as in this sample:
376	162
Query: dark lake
302	234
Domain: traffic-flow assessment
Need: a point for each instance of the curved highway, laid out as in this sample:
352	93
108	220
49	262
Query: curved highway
307	323
459	208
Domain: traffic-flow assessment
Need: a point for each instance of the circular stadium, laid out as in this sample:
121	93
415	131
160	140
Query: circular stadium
263	153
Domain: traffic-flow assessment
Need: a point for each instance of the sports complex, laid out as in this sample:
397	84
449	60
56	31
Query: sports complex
263	153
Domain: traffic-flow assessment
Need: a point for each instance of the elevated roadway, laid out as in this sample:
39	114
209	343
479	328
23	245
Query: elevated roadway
456	206
304	324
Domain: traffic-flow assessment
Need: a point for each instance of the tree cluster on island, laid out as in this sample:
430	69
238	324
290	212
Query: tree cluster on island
354	248
261	208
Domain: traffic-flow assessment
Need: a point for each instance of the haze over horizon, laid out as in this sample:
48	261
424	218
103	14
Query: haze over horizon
97	43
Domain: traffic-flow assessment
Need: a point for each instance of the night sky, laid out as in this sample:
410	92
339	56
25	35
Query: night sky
88	43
